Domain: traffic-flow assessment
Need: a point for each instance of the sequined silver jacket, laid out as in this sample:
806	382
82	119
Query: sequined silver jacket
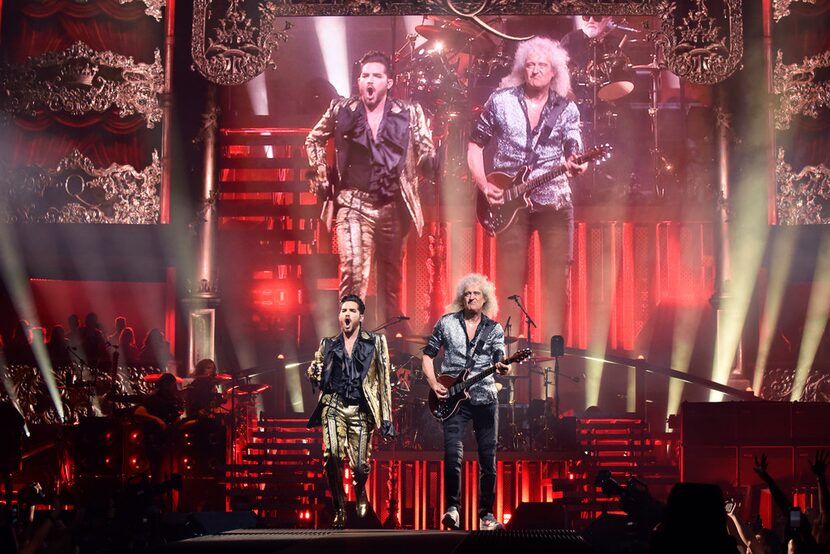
504	120
450	333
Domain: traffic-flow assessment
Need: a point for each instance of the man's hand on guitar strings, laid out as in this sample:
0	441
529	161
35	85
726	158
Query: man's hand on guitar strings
440	390
502	368
493	193
574	168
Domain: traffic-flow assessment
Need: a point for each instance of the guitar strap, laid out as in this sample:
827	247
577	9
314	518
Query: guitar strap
556	110
482	338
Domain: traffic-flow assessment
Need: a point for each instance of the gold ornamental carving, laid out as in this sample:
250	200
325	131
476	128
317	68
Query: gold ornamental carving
797	90
233	48
465	8
699	47
781	8
80	80
78	192
696	47
802	196
153	7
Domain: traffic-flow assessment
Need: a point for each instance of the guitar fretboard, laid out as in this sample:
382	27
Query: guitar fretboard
470	381
518	190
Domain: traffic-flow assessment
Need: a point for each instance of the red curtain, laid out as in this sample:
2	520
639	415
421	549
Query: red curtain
33	28
45	148
26	37
111	8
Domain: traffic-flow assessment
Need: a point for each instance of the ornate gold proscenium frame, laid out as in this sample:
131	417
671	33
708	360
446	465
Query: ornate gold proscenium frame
702	43
237	48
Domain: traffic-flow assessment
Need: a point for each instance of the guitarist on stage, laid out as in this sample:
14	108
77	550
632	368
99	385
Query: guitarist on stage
529	121
470	339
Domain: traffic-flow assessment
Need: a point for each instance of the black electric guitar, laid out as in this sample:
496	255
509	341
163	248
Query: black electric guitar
495	218
442	408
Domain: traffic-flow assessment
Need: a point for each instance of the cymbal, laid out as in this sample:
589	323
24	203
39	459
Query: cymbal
454	38
510	340
154	377
217	377
513	377
249	388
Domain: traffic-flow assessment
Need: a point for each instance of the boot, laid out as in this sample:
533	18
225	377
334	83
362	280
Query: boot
334	473
362	504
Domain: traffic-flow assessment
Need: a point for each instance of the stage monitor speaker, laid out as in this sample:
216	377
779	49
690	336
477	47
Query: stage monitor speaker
537	515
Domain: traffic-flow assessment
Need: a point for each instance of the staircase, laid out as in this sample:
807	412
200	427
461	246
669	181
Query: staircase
280	474
624	447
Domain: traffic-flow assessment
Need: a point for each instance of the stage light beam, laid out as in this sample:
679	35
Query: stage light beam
11	269
331	35
687	323
783	250
818	310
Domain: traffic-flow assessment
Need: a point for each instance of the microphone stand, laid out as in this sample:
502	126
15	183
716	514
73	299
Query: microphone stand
529	324
394	321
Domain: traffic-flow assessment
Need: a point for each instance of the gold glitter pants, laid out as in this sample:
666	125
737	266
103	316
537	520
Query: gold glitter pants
362	230
347	430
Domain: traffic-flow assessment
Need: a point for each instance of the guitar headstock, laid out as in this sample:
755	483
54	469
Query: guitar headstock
519	356
598	154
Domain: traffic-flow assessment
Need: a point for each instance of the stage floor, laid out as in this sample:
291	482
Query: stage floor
261	541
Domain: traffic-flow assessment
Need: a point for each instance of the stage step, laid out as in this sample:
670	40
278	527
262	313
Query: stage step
281	469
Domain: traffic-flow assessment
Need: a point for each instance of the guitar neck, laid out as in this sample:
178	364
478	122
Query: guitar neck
470	381
526	186
538	181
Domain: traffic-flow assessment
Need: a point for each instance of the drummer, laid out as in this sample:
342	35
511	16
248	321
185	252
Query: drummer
592	50
203	393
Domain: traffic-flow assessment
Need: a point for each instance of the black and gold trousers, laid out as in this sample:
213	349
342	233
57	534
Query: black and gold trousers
365	231
347	430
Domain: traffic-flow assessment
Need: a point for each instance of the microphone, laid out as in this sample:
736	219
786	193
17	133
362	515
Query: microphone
402	318
513	297
624	28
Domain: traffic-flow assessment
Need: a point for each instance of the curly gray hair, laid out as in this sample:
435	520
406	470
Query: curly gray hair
558	57
488	289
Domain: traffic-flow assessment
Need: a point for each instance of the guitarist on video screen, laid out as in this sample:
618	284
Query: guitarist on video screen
530	122
471	340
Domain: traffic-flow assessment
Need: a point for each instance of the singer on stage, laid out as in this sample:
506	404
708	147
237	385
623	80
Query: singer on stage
352	371
381	144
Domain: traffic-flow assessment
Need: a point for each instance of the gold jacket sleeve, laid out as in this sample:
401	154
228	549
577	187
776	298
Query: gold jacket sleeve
385	385
315	142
